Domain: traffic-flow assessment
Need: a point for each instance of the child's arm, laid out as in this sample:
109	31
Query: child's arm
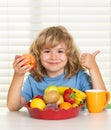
88	61
14	99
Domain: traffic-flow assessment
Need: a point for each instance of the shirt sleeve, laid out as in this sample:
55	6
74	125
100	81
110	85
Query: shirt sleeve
85	81
26	90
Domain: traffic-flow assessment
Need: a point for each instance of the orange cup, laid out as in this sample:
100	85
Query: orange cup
97	100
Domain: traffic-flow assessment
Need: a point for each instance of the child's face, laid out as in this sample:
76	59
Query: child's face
54	60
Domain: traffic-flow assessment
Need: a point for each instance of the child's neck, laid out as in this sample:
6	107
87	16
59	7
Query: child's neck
53	74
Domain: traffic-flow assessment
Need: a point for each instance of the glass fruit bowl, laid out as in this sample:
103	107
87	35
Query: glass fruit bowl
52	114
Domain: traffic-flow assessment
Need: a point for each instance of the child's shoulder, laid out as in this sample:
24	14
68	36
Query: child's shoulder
82	72
30	77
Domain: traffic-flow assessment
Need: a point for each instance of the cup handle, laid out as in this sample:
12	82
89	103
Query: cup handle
107	99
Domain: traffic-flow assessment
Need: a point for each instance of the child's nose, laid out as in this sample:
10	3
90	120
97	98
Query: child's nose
53	55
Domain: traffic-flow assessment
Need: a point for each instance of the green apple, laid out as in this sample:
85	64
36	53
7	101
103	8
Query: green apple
51	87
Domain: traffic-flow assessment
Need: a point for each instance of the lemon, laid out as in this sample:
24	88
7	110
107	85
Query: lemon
37	103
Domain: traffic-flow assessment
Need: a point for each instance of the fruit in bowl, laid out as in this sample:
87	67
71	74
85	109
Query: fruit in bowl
52	106
65	105
61	96
69	95
60	100
51	96
56	103
51	87
37	103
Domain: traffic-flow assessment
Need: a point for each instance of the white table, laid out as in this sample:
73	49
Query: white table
84	121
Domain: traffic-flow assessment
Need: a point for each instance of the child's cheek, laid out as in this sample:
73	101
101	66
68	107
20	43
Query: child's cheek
45	57
63	58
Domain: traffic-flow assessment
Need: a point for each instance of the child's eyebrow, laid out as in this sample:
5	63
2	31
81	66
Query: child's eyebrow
52	48
62	48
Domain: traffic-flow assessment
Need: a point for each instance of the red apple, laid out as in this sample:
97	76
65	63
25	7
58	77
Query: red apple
31	60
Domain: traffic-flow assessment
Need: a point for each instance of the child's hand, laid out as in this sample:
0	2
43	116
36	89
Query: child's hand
19	66
88	60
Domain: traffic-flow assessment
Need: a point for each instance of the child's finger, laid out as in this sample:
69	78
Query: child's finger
95	53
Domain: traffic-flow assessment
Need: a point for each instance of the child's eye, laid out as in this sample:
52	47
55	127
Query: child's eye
46	51
60	51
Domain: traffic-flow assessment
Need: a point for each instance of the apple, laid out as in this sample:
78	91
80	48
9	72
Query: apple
31	60
50	88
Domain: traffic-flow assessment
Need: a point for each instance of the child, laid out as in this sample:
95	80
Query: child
58	63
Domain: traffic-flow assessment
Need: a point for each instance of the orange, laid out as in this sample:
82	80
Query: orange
38	103
65	105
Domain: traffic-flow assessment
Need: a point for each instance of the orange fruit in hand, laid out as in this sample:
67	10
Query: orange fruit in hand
65	105
31	60
37	103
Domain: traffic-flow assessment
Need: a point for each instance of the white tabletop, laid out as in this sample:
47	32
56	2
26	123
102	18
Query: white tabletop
21	120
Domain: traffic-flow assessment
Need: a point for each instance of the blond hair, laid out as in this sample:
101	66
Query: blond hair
51	37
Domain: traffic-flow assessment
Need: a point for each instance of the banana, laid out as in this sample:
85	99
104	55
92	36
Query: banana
79	93
78	100
61	89
75	105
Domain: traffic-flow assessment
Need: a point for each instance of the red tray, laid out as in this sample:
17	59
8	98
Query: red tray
50	114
